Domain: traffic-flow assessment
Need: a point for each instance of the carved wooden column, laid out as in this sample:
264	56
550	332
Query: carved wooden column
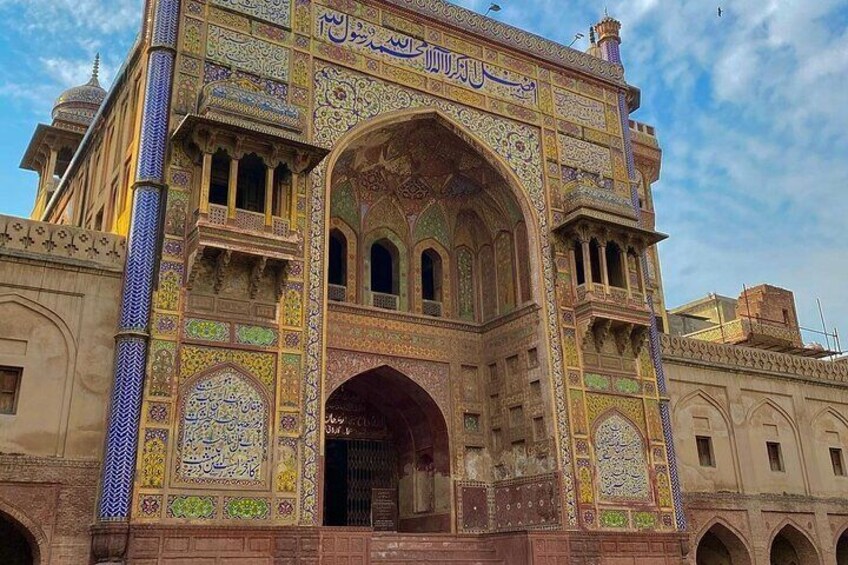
205	182
602	256
232	188
269	195
587	264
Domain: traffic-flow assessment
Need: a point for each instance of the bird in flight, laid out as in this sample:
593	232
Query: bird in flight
720	11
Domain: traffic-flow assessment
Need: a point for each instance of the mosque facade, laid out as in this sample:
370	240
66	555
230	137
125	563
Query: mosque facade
349	282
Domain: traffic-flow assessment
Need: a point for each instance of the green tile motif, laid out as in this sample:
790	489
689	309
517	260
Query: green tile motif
246	508
192	507
614	518
596	382
207	330
256	335
627	386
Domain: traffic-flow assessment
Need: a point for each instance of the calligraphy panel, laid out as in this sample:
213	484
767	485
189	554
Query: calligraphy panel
621	464
395	47
580	109
277	12
247	53
585	156
224	431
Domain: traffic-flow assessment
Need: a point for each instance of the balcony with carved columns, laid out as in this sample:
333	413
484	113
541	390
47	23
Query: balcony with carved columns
252	162
605	242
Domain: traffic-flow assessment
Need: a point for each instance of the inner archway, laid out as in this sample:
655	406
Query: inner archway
842	549
441	226
721	546
14	545
791	547
387	460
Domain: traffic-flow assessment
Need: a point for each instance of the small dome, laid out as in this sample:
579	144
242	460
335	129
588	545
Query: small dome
79	104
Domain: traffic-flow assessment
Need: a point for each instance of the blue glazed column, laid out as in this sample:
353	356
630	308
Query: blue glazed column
142	247
609	41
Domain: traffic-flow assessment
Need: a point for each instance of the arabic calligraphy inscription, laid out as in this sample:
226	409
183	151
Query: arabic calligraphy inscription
224	430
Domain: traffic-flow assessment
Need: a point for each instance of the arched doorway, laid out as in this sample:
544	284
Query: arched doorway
387	461
842	549
791	547
15	548
721	546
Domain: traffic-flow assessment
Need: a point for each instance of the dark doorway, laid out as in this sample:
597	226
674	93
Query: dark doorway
431	276
384	277
842	550
337	269
387	458
14	547
720	546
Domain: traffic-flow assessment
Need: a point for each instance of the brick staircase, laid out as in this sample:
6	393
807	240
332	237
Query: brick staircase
446	549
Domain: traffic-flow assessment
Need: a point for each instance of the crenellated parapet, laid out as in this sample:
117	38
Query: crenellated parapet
80	247
698	352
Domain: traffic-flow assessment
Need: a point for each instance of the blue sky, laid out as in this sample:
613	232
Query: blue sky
751	110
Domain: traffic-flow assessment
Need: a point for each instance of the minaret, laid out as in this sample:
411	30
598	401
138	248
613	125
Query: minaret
53	146
609	39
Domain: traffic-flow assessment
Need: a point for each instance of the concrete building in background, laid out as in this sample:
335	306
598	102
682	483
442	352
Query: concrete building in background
343	282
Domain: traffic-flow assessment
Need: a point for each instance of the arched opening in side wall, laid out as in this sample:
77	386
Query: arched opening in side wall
721	546
791	547
15	548
842	549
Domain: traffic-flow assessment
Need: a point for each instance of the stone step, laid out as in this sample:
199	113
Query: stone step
447	549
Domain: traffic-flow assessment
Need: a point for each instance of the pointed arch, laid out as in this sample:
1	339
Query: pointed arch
30	530
444	278
352	257
712	403
206	400
734	542
620	458
387	213
432	224
799	540
796	434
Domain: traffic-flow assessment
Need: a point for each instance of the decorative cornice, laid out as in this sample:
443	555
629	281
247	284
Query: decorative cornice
509	36
738	358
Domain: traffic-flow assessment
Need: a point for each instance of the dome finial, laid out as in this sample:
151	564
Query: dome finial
95	71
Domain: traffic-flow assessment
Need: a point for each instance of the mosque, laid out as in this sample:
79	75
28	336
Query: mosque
363	282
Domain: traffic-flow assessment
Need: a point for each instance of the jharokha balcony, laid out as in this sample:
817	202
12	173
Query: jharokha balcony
606	243
252	163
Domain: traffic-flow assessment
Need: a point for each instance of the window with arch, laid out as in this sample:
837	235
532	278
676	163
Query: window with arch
385	277
219	180
615	265
595	261
580	270
250	191
431	275
280	198
337	266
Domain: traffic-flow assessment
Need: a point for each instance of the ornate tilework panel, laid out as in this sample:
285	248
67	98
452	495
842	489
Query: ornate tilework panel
506	274
489	290
277	12
587	156
223	430
207	330
153	458
258	336
465	268
368	39
247	53
620	460
246	508
580	109
432	224
192	507
196	359
343	205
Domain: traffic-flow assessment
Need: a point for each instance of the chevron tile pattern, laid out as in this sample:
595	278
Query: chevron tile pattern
142	246
138	277
119	461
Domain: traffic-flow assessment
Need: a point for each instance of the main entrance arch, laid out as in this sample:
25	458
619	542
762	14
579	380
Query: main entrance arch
387	458
15	548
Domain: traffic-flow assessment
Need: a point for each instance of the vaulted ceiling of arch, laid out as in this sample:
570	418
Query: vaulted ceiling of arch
420	163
